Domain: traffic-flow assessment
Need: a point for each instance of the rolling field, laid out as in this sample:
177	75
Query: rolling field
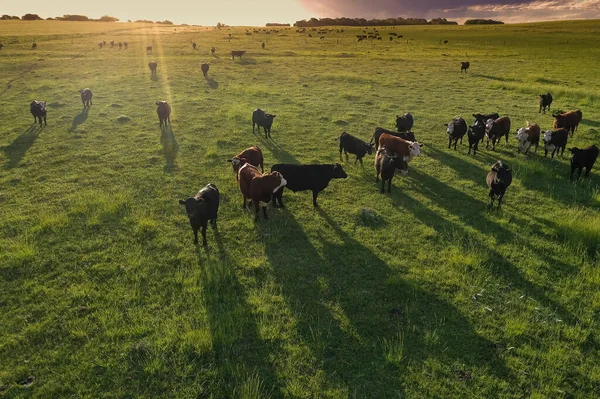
421	293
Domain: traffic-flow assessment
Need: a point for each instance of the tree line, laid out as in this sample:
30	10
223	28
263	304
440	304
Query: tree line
74	17
314	22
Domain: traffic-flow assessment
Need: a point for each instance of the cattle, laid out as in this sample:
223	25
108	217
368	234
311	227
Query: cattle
495	129
237	53
149	50
194	46
34	46
405	122
386	165
38	110
120	45
212	50
100	45
125	44
354	145
498	180
464	66
569	120
252	155
201	208
555	140
483	118
112	44
164	112
152	65
264	120
86	97
314	178
545	101
528	136
456	130
1	45
395	145
408	136
262	45
475	135
205	67
258	187
583	158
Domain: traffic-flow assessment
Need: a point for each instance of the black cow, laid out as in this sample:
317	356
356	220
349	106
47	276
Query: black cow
498	180
555	140
262	119
204	67
306	177
202	208
409	136
86	97
483	118
583	158
386	165
354	145
38	110
475	135
405	122
456	130
545	101
464	66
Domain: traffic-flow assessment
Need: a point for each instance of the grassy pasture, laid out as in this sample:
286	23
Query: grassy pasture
419	294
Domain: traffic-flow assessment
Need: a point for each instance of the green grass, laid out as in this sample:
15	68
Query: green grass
419	294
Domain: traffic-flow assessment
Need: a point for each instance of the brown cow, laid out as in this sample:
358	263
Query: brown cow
237	53
204	67
569	120
258	187
164	112
495	129
528	136
252	155
152	65
395	145
149	49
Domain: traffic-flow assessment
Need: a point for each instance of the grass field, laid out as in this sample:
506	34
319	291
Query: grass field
423	293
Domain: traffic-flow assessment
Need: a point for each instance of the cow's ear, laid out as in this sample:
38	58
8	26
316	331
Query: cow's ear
421	144
229	160
158	103
182	202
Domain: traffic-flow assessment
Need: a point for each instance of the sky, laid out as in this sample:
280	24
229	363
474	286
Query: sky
259	12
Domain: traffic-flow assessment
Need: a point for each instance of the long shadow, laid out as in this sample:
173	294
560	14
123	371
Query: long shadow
278	152
364	325
170	148
213	84
79	119
154	78
16	150
590	123
491	77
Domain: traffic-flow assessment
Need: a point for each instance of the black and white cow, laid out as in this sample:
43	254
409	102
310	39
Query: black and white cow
456	130
555	141
498	180
405	122
38	110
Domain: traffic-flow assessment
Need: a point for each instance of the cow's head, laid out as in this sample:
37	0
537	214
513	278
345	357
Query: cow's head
337	172
548	136
270	117
369	146
500	167
237	163
450	127
488	125
415	149
574	150
193	206
523	134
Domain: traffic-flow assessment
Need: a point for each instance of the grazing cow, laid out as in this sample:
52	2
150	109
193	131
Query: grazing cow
149	50
100	45
112	44
456	130
204	68
202	208
164	112
262	119
354	145
237	53
194	46
152	65
408	136
405	122
527	137
583	158
498	180
555	140
86	97
395	145
1	45
252	155
34	46
125	44
212	50
38	110
446	42
258	187
120	45
569	120
306	177
545	101
464	66
495	129
475	135
386	165
263	45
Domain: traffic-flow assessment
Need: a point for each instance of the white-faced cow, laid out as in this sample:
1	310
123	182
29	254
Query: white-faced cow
495	129
555	141
498	180
258	187
456	130
528	136
38	110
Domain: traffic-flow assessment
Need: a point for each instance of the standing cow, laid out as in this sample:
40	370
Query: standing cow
163	110
475	135
386	165
464	66
38	110
354	145
201	208
456	130
405	122
569	120
545	102
555	141
259	187
495	129
86	97
528	136
498	180
205	67
583	158
152	65
264	120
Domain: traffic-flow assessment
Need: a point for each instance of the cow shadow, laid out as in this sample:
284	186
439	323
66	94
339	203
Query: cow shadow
364	324
278	152
247	61
154	78
590	123
16	150
79	119
170	148
213	84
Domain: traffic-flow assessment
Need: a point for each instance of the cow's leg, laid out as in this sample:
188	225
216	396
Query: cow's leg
573	167
377	177
487	143
253	124
382	191
587	171
461	137
500	200
195	236
449	141
359	159
315	195
243	202
470	146
390	185
45	123
256	209
204	242
455	143
341	149
168	120
264	208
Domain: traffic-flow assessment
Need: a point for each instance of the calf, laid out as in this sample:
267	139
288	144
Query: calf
204	68
86	97
495	129
164	112
354	145
34	46
237	53
456	130
262	119
252	155
258	187
152	65
194	46
475	135
464	66
555	140
212	50
409	136
527	137
498	180
569	120
395	145
38	110
545	101
306	177
149	50
583	158
125	44
405	122
386	165
202	208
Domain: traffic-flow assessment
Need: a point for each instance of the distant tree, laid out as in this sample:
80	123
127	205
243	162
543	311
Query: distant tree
442	21
144	21
8	17
69	17
314	22
129	20
108	18
50	19
276	24
220	25
483	22
165	22
31	17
